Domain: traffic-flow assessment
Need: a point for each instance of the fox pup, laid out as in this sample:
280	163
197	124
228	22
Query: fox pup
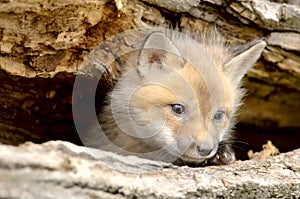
177	98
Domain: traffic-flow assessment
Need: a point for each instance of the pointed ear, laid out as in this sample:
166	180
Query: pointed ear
239	65
156	47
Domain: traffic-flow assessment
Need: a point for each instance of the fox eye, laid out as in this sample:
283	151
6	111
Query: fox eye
178	108
219	115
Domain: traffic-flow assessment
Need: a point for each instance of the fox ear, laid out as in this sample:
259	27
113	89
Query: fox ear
246	57
156	47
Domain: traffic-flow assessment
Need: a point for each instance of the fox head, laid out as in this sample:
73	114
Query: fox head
181	98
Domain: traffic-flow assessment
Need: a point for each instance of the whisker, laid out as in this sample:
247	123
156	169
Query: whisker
242	142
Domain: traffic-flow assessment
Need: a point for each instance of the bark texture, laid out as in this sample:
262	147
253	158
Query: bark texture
43	43
42	46
62	170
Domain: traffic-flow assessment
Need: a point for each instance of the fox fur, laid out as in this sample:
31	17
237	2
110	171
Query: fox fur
177	99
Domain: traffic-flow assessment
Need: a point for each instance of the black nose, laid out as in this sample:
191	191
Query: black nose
205	149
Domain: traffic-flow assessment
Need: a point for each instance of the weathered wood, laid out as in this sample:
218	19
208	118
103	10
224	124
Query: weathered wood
62	170
42	43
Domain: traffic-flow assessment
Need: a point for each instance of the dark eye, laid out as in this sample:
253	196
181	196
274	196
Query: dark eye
178	108
219	115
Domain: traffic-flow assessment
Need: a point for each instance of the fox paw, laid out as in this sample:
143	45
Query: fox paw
224	155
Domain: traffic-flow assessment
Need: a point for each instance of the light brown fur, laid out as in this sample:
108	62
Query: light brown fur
203	77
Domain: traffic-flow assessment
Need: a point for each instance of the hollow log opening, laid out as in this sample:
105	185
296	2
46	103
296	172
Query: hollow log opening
42	44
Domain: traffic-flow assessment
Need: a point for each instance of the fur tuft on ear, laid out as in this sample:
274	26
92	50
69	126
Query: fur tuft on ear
157	45
239	65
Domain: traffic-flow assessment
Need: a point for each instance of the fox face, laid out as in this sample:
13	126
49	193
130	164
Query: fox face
177	101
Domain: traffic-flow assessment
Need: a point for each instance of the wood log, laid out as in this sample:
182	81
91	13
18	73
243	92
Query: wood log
59	169
44	39
43	45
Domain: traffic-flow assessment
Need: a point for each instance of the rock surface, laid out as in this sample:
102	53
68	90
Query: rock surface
59	169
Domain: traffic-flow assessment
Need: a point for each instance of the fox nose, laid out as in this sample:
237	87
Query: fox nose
205	149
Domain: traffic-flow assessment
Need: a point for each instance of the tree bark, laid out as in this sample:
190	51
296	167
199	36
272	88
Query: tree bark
59	169
43	44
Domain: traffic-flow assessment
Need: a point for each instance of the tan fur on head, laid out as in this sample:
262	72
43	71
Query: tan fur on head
174	70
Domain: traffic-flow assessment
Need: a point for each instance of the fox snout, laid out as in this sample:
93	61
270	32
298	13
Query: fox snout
205	149
198	152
